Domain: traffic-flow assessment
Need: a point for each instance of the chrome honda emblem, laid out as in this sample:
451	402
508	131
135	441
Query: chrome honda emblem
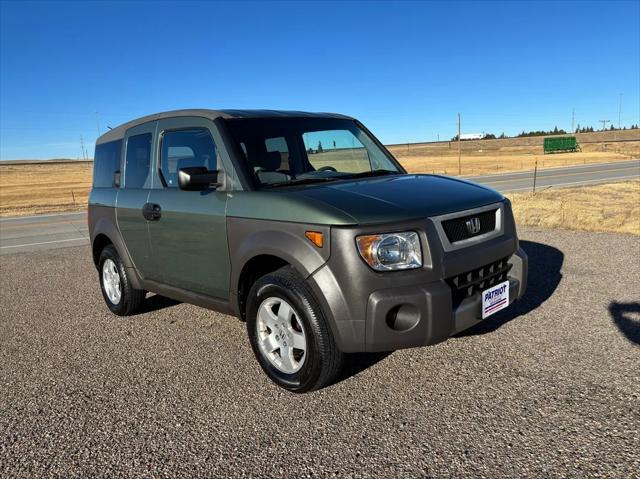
473	225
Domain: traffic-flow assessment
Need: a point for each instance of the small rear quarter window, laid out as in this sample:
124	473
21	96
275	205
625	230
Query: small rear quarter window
106	161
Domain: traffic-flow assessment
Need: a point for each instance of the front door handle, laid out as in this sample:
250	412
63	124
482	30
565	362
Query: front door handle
151	211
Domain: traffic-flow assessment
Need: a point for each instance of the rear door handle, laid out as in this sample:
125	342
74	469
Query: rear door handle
151	211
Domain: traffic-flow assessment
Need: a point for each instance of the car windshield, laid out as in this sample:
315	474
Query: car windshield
288	151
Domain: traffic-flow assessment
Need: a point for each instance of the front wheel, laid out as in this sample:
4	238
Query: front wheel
289	334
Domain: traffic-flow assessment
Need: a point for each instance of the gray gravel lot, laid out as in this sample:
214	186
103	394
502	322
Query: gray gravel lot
550	388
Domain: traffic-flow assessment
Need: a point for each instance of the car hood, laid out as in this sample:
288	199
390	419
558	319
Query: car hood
400	197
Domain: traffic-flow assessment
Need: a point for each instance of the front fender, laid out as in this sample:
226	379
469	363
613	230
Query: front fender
249	238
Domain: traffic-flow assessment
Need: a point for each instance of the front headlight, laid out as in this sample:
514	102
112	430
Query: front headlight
391	251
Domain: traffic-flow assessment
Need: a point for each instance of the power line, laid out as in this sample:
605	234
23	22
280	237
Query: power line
459	149
84	155
619	110
604	124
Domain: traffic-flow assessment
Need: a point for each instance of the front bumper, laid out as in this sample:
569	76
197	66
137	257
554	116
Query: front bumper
421	315
359	302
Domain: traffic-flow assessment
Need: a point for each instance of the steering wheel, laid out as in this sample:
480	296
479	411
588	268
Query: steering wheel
327	168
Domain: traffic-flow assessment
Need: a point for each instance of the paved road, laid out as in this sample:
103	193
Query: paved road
549	388
564	176
33	233
70	229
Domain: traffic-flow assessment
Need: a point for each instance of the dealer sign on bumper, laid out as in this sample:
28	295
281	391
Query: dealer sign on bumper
494	299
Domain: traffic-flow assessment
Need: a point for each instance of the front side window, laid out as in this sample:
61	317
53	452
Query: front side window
286	151
183	149
138	160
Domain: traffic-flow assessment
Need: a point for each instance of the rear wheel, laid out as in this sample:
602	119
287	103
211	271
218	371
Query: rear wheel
121	298
289	334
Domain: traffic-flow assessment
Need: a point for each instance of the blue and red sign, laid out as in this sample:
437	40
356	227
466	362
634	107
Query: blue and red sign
494	299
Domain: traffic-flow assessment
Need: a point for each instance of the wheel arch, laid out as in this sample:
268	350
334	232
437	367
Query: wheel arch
104	232
260	247
255	268
99	243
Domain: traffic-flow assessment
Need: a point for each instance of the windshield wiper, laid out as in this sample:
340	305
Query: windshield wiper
304	181
368	174
320	179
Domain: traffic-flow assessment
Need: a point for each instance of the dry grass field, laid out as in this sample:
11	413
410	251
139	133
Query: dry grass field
45	187
512	154
612	207
36	188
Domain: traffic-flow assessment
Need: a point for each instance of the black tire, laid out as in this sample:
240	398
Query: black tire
323	359
131	299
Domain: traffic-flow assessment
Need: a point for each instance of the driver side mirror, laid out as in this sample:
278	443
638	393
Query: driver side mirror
197	178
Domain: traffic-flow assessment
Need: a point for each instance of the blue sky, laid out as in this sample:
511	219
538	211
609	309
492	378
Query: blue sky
404	68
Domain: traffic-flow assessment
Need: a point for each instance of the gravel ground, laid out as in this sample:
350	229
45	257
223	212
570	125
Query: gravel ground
550	388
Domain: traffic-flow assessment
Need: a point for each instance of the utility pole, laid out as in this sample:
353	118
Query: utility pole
84	156
459	149
573	121
604	124
619	110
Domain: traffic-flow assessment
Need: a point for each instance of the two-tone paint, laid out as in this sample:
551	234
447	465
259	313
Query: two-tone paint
208	240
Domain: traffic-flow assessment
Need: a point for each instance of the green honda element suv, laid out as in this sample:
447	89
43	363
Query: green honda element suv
304	226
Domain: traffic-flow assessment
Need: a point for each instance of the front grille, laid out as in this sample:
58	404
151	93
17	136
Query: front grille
456	228
467	284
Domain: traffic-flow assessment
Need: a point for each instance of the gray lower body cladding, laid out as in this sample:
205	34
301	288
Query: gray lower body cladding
367	310
373	311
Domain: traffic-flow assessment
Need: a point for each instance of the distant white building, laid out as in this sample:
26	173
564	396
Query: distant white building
472	136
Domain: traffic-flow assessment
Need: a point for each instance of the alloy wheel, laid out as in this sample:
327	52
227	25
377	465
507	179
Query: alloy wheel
281	336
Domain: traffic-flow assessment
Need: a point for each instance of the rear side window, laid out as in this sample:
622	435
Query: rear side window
106	161
183	149
138	160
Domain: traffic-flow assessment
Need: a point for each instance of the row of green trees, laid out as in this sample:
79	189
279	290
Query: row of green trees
588	129
555	131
